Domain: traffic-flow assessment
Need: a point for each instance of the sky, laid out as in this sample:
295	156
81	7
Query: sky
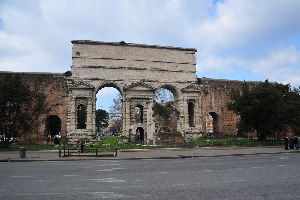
250	40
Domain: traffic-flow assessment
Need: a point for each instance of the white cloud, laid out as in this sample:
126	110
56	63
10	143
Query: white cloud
237	39
251	24
259	37
282	65
209	62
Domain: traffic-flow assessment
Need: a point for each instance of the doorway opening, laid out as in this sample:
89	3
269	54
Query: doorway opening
140	135
212	124
53	126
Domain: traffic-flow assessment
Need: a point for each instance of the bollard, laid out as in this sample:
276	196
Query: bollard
22	152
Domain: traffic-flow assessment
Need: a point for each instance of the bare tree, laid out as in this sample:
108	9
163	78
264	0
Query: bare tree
115	114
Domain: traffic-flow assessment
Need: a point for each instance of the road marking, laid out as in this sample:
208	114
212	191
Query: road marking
178	184
109	195
70	175
283	158
105	180
76	188
234	181
104	170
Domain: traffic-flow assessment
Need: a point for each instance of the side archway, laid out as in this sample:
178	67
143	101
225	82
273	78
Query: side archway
53	126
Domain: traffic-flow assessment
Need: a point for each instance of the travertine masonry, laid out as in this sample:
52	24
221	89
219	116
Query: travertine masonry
137	71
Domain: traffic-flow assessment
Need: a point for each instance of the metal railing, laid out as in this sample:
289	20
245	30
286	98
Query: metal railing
84	152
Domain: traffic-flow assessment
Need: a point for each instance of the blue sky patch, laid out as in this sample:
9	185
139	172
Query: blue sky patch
1	24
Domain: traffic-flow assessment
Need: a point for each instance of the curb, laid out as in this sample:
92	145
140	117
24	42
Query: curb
142	158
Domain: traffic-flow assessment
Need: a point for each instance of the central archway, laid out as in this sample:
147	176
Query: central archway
109	101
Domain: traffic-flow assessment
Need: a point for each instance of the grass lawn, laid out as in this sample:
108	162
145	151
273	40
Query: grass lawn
108	144
232	141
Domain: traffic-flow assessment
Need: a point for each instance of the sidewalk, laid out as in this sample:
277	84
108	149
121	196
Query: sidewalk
127	154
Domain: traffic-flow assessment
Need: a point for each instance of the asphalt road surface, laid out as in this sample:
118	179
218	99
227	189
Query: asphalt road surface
270	176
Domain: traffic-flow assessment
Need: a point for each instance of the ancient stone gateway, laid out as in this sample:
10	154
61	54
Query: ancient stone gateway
137	71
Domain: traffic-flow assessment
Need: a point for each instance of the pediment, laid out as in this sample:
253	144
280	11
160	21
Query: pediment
81	84
191	88
139	86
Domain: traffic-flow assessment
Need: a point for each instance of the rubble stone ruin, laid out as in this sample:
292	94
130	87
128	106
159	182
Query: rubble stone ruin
137	71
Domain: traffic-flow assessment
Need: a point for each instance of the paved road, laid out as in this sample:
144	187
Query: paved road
264	176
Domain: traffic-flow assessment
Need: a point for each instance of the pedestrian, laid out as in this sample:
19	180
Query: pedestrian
138	137
286	142
292	142
296	143
81	146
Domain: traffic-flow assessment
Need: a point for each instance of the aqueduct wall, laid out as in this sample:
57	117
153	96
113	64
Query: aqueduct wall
137	71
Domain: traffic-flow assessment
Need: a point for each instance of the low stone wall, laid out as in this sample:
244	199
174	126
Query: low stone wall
170	139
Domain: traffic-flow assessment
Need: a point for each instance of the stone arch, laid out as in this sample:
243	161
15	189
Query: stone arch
171	88
109	84
115	114
140	135
52	126
215	123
